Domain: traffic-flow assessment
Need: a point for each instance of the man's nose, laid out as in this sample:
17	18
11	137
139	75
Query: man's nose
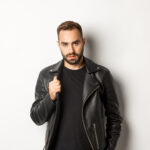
70	48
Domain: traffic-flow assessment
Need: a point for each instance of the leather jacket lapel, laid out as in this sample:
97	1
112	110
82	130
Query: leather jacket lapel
89	85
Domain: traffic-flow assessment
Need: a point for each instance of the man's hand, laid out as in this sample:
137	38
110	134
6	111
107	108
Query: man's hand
54	87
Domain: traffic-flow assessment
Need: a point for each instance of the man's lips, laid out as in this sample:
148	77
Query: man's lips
71	56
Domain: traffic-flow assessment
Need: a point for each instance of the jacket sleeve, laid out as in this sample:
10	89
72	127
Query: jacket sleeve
43	106
111	104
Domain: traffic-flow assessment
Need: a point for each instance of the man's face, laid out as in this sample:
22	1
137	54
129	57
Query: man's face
71	45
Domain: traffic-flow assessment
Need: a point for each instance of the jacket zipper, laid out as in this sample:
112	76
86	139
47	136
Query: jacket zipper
94	126
83	119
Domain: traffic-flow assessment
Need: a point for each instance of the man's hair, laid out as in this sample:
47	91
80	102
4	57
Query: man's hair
69	25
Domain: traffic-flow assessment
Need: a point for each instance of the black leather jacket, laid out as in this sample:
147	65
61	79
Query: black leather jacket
99	102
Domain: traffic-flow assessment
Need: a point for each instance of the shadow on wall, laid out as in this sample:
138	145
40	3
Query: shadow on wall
124	139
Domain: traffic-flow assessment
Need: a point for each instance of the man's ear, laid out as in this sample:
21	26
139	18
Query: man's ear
84	41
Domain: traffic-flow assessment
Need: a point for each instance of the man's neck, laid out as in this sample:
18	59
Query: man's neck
76	66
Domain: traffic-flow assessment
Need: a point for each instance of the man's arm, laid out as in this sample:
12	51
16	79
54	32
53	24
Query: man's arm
43	106
114	120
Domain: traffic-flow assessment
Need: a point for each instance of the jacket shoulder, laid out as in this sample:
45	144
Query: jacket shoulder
99	66
103	68
102	71
46	69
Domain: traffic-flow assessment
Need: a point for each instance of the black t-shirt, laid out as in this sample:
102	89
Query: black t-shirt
70	134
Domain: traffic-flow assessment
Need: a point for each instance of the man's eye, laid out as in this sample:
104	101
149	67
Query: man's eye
64	44
76	43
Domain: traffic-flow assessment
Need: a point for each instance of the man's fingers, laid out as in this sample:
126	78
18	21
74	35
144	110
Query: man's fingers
54	85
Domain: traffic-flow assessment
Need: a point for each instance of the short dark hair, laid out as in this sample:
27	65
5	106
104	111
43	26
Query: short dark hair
69	25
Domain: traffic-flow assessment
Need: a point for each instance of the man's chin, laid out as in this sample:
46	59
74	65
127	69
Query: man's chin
72	61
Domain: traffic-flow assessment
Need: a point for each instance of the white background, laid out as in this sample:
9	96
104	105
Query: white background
117	36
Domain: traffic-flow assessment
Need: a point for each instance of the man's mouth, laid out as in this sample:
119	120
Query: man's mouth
72	56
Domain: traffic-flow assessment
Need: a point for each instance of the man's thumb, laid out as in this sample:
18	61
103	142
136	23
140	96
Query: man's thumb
55	78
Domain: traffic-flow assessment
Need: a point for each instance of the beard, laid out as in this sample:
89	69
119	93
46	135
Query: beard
75	60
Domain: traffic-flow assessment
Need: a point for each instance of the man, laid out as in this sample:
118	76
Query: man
74	96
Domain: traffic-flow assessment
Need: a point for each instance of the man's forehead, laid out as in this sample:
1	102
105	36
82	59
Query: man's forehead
69	37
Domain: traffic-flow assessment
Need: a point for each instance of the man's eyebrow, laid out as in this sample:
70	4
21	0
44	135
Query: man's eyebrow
72	42
64	42
76	41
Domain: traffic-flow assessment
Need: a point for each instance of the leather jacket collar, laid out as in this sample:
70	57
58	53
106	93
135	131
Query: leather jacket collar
90	66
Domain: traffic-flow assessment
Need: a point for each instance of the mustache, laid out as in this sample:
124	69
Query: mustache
72	54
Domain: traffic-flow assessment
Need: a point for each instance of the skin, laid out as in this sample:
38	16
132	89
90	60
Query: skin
71	45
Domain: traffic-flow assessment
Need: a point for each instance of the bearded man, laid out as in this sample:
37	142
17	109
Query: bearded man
76	97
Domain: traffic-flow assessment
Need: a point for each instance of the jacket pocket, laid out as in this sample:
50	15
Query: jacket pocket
95	133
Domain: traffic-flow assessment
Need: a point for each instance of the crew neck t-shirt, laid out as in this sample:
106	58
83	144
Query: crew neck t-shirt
70	134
